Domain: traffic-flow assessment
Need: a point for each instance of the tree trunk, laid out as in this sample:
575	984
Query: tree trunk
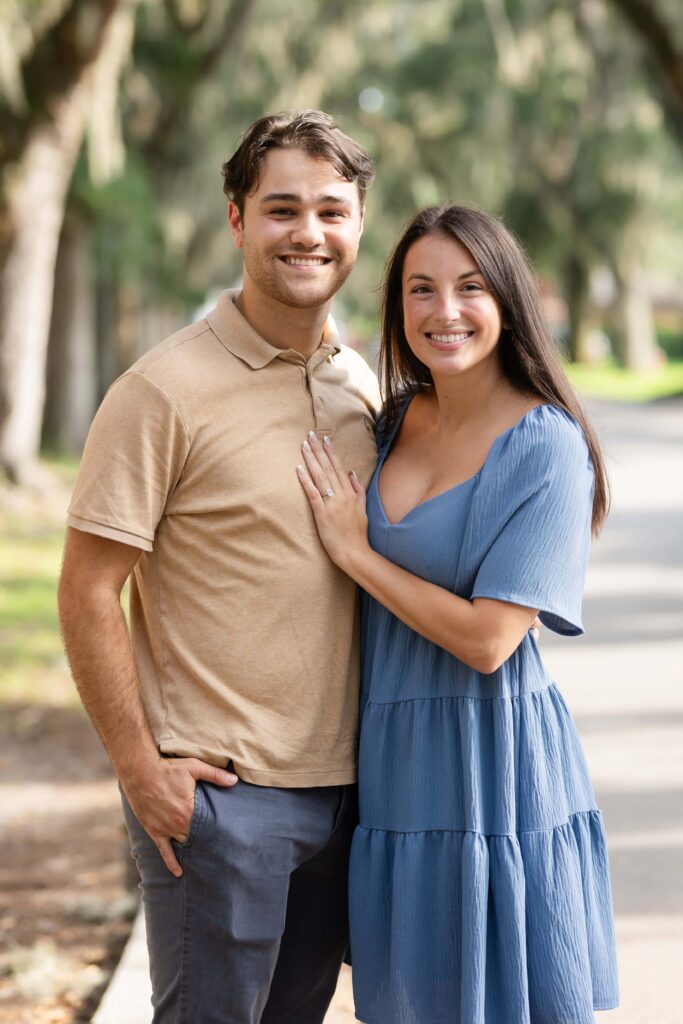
36	170
71	362
35	209
107	330
577	279
635	337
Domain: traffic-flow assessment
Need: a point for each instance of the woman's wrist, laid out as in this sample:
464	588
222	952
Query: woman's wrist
355	562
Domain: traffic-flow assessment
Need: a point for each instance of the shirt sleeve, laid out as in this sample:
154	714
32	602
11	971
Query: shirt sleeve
132	461
542	507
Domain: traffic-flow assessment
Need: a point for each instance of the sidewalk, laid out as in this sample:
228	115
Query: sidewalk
623	683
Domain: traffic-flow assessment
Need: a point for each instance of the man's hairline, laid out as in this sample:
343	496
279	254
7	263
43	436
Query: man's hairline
321	159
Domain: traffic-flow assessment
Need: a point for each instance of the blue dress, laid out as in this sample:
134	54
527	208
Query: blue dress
479	887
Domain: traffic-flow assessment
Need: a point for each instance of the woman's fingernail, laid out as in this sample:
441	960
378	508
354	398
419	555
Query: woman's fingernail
306	446
327	440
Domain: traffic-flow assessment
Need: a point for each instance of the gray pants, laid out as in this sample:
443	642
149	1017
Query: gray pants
256	927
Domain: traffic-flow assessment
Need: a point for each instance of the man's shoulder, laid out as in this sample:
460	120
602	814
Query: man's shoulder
360	373
188	363
351	357
179	349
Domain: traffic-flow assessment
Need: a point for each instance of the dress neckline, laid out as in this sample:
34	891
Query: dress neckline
449	490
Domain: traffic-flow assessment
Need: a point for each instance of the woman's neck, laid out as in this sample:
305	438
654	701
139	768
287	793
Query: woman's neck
470	397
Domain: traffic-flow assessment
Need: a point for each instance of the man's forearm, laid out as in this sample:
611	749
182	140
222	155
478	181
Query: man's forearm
159	790
98	647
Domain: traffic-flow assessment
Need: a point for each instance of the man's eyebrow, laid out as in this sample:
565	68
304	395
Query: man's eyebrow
339	200
426	277
283	197
293	197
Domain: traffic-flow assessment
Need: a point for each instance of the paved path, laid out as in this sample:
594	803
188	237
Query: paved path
623	682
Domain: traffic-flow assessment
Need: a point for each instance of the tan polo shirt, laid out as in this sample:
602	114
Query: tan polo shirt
244	632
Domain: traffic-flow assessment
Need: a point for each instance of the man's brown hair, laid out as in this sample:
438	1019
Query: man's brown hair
312	131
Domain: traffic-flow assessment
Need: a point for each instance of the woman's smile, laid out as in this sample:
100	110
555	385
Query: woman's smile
448	339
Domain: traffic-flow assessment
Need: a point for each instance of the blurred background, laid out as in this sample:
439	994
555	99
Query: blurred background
563	116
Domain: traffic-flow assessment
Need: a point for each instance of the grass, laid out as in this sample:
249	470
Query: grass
33	667
32	663
607	380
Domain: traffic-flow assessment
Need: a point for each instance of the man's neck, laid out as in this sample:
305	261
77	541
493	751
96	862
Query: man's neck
284	326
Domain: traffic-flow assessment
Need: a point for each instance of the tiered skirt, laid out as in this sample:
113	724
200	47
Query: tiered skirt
480	889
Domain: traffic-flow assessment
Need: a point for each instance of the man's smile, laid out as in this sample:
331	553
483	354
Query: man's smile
305	261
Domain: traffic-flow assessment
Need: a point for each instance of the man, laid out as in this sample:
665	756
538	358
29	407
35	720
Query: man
230	712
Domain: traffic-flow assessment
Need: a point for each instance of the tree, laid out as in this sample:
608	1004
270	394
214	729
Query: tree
76	53
655	26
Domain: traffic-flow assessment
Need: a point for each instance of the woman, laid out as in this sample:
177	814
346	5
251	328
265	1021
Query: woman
479	881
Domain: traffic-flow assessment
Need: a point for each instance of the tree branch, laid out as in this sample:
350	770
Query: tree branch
176	110
182	24
54	68
665	57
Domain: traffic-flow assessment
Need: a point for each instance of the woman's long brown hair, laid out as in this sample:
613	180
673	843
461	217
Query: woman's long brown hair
528	353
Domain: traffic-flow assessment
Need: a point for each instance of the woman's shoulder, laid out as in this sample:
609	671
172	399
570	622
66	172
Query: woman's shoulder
548	431
545	443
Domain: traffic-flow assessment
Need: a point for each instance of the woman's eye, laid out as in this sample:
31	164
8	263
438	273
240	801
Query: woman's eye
472	286
420	289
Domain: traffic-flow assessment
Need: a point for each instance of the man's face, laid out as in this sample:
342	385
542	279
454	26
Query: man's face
299	231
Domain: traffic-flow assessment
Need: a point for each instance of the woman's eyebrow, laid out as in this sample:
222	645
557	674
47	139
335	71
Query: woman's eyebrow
426	277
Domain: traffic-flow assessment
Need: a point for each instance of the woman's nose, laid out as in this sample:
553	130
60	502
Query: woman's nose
448	308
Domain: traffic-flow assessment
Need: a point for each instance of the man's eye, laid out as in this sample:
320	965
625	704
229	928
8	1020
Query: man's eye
281	211
332	214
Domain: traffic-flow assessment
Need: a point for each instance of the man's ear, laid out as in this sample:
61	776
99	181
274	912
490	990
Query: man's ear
235	222
362	221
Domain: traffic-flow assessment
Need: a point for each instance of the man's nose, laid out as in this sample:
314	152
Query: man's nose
308	231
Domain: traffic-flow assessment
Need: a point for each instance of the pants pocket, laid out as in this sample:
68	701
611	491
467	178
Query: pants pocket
198	814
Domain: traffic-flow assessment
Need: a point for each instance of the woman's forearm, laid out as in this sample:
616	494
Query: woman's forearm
482	633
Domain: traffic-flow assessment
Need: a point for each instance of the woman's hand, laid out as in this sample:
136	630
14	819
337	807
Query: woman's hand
337	499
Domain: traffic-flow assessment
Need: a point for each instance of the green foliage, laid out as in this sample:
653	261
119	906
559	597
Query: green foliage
538	110
671	342
128	236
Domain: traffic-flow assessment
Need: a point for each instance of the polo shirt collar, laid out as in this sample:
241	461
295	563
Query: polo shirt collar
240	338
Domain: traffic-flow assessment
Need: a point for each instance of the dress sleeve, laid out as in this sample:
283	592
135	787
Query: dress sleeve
540	508
132	461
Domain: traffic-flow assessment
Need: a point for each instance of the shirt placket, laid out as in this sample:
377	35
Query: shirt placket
322	419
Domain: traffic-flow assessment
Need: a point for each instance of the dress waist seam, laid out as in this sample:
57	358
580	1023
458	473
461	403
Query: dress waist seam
461	696
478	832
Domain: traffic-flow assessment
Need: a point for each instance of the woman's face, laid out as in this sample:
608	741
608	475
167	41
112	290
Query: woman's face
451	319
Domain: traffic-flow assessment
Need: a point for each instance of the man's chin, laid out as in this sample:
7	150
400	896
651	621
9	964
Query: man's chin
308	298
